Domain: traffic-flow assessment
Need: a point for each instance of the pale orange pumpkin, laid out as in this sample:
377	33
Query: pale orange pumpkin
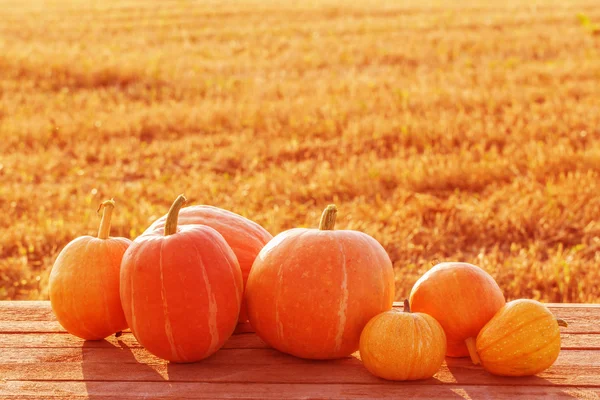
523	338
311	291
181	290
403	346
245	237
462	298
84	283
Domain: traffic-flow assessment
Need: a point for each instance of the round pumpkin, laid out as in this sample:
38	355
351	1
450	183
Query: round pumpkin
84	283
311	291
181	289
462	298
403	346
245	237
522	339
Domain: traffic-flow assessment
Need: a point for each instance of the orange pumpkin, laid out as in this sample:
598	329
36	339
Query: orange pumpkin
181	290
84	283
311	291
245	237
522	339
462	298
403	345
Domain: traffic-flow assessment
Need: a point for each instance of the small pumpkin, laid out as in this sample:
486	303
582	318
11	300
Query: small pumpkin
181	289
522	339
311	292
403	345
245	237
462	298
84	282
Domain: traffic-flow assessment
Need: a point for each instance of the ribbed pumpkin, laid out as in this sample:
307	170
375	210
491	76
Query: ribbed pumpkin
311	291
462	298
403	345
522	339
84	283
181	290
245	237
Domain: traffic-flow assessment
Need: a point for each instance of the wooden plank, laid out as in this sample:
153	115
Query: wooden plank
26	311
30	327
573	368
37	317
43	340
237	341
380	390
231	356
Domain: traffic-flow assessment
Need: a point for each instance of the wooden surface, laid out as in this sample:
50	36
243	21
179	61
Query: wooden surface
38	359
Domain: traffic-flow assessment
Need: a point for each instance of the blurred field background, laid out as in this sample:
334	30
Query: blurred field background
447	130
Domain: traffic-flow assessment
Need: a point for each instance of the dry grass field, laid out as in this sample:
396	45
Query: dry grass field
447	130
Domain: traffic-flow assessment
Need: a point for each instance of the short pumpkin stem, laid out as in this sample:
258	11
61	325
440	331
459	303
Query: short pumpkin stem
470	342
173	215
107	207
561	322
328	218
406	306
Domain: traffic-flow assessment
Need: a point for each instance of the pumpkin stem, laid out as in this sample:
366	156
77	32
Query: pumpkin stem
107	207
328	218
171	224
561	322
406	306
470	342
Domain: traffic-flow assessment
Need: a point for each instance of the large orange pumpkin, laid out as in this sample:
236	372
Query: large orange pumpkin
84	283
462	298
403	345
181	290
311	291
522	339
245	237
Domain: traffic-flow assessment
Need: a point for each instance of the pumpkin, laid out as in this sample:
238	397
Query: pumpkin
403	345
181	289
522	339
84	282
462	298
311	291
245	237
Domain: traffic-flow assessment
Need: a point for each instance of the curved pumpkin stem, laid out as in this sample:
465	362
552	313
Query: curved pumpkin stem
107	207
171	224
561	322
328	218
406	306
470	342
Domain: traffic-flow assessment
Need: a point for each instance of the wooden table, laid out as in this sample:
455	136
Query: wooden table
38	359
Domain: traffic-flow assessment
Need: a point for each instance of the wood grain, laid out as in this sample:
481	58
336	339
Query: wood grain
18	317
381	390
37	340
573	368
39	360
569	341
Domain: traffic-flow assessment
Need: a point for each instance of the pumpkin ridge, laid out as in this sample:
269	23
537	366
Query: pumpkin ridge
220	248
344	300
549	343
212	306
374	246
163	297
429	332
77	315
280	285
108	254
131	286
416	334
482	349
